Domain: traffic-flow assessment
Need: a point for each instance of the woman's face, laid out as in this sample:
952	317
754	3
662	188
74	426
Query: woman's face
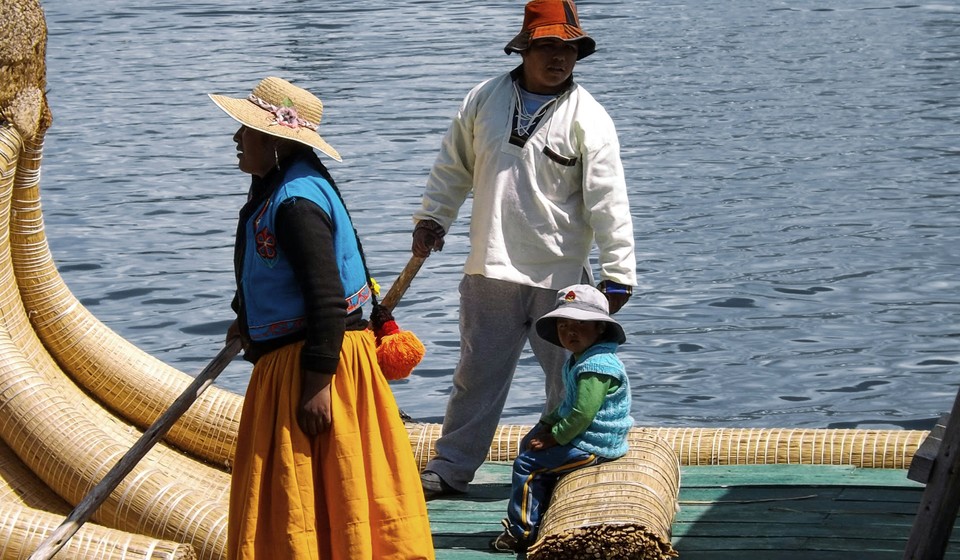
256	151
547	64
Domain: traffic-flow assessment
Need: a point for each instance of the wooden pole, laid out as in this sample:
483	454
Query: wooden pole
403	282
941	497
95	498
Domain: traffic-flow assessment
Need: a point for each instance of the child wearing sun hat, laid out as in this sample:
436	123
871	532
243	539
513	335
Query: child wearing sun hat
589	426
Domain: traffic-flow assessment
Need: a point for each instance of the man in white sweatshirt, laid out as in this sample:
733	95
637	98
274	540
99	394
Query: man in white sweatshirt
541	158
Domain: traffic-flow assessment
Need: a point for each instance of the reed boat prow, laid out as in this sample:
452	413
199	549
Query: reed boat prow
75	395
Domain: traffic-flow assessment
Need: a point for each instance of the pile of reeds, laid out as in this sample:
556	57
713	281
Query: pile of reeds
621	509
30	512
888	449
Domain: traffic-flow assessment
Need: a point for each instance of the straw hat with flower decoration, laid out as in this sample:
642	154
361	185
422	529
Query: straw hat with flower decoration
279	108
553	19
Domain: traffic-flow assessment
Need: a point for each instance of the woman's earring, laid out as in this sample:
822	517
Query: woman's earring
276	156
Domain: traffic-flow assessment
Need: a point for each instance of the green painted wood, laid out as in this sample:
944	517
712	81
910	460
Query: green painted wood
865	528
784	555
771	512
796	544
467	554
795	511
462	527
814	500
779	550
794	475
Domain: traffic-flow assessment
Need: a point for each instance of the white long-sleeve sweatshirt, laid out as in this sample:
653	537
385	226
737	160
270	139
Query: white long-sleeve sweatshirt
537	208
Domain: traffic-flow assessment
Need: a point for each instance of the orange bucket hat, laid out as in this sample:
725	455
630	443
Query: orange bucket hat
551	18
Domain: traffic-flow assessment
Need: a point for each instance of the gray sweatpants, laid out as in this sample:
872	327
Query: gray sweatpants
496	320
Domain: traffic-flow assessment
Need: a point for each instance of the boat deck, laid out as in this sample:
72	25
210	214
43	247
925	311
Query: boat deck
782	512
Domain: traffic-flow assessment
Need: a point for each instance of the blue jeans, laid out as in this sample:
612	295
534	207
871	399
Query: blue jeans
535	475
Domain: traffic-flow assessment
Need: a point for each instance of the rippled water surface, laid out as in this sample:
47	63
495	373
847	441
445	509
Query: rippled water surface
794	170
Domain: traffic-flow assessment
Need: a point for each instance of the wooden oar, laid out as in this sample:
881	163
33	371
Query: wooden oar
399	287
95	498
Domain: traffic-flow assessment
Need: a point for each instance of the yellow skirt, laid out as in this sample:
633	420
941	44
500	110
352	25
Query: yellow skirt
352	493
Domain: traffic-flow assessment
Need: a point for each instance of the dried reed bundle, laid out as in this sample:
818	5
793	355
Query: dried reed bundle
70	442
890	449
70	453
623	542
23	67
30	511
886	449
25	528
20	161
19	485
621	509
124	379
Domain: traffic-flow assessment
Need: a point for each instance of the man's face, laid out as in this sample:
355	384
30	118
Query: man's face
547	65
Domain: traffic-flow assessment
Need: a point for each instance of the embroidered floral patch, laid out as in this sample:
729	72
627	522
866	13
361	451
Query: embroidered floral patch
266	244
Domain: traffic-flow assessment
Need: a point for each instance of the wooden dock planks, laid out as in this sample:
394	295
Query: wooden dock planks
774	512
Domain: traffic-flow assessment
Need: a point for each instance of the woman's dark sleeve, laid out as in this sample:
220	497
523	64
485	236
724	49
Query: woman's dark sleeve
305	235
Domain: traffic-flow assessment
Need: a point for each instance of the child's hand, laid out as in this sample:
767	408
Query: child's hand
538	430
543	441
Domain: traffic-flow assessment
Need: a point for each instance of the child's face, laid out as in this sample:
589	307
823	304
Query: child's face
577	336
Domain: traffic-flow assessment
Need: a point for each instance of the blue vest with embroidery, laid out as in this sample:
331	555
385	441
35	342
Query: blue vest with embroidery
272	297
606	436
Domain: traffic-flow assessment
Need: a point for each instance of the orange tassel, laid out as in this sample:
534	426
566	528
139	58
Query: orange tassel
398	351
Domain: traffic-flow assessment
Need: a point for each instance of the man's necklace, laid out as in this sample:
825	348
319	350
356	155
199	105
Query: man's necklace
525	119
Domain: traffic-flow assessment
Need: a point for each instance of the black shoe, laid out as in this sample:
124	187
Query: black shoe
435	487
506	542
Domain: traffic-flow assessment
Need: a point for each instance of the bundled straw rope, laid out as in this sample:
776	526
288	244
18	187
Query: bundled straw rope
25	528
29	511
19	485
622	509
884	449
19	167
889	449
70	441
125	379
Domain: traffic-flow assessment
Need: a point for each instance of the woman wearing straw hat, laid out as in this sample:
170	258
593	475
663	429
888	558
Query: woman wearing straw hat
542	160
323	466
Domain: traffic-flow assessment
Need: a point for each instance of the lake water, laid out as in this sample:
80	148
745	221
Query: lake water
794	173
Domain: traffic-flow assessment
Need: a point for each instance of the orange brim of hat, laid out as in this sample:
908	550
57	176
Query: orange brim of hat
558	19
585	44
248	114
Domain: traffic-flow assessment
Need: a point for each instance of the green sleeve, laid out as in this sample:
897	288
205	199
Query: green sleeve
552	418
592	389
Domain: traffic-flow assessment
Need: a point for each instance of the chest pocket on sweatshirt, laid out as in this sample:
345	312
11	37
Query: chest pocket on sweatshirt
562	160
